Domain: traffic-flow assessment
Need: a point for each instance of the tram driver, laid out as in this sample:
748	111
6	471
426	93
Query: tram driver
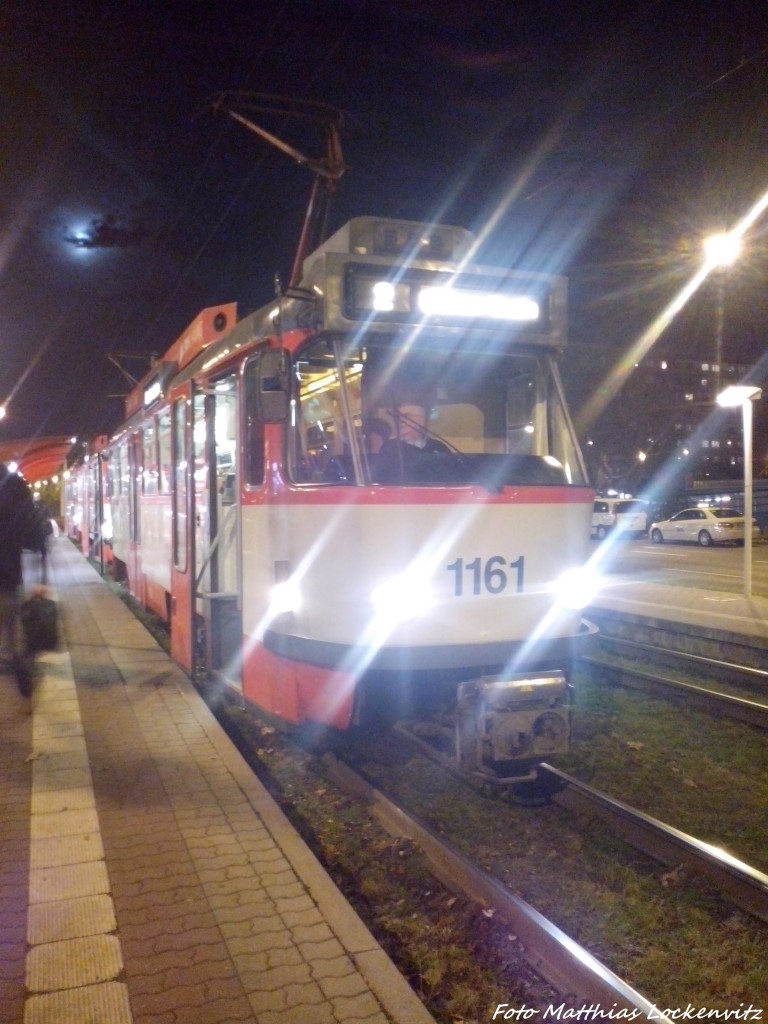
402	458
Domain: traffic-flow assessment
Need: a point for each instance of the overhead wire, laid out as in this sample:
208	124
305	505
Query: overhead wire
185	204
639	126
249	177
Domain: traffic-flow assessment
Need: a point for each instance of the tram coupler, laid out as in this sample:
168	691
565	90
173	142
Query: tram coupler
504	725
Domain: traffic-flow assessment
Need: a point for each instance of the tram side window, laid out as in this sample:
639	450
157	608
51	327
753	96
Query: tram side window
112	475
320	444
225	436
253	432
180	492
164	450
124	470
520	415
149	477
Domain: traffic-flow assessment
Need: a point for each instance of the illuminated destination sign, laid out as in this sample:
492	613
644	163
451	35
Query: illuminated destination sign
152	392
412	296
156	386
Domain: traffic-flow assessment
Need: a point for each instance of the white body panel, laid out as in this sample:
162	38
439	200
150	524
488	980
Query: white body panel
342	552
155	540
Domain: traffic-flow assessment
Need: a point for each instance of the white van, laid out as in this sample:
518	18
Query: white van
625	515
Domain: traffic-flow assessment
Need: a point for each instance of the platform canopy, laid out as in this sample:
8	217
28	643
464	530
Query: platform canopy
37	458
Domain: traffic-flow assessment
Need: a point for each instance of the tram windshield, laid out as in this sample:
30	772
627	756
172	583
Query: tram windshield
385	411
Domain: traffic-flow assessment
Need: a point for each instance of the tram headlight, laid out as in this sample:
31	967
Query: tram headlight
577	588
285	597
400	599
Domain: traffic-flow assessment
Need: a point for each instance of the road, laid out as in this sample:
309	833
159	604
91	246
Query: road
684	565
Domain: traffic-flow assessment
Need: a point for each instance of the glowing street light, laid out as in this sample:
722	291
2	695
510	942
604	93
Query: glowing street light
722	250
744	395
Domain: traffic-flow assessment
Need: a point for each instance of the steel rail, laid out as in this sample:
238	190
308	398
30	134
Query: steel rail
717	668
744	885
568	967
737	708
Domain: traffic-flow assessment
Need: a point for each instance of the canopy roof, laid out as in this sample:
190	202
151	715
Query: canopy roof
38	458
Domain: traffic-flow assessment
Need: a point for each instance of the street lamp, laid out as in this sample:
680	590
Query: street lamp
722	250
744	395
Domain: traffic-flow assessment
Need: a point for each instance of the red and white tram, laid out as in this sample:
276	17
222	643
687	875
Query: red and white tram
87	519
319	578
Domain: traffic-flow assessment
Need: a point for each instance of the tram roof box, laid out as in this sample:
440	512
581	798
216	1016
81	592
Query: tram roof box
208	326
406	240
383	242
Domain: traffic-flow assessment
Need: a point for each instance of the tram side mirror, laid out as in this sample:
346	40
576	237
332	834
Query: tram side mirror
273	386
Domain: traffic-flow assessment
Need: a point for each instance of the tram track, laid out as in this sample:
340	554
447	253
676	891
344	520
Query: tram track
501	888
743	885
747	676
727	705
623	666
554	955
561	961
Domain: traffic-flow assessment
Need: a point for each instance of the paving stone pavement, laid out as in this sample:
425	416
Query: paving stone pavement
147	877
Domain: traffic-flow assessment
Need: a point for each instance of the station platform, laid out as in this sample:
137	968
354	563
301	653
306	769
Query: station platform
716	611
146	876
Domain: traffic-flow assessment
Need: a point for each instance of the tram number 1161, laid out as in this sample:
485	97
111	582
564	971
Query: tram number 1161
492	577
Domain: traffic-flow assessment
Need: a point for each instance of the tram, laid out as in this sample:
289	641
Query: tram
321	579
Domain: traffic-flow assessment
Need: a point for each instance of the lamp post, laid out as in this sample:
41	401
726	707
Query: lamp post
744	395
720	252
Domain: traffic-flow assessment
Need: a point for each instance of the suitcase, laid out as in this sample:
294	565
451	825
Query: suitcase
40	622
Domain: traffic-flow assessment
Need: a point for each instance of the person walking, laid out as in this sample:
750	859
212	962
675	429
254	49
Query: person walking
20	528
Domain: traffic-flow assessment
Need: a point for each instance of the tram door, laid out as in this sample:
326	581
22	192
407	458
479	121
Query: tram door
217	528
182	617
136	468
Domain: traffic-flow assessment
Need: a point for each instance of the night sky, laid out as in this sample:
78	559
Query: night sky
598	140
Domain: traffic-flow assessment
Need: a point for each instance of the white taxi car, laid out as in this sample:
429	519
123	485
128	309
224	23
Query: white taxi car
705	526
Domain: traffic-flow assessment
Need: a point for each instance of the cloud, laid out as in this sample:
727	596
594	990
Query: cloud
107	233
